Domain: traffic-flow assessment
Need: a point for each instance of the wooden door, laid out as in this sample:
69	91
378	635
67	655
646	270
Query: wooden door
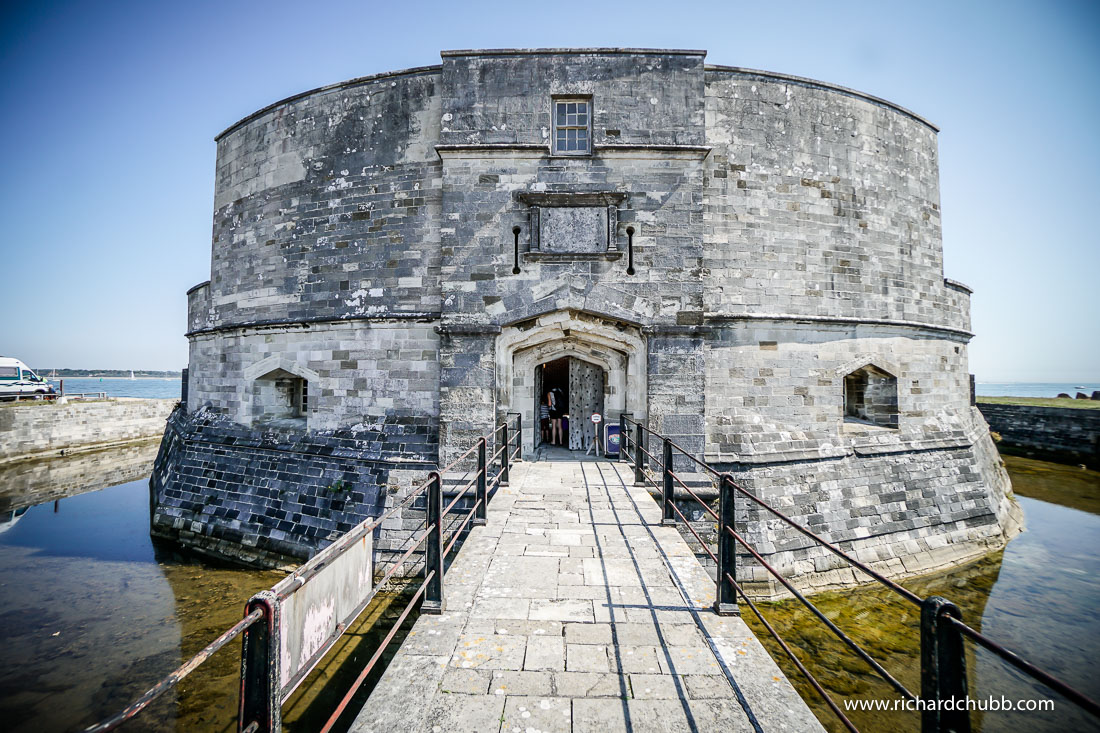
585	397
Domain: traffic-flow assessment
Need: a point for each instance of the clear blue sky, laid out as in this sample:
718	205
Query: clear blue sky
109	110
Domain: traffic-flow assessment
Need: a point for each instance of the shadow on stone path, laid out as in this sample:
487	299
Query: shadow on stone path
574	610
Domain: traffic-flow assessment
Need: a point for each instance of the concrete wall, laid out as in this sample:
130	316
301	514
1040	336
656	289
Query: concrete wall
41	430
1064	434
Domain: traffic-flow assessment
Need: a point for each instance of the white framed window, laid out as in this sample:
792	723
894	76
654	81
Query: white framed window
572	125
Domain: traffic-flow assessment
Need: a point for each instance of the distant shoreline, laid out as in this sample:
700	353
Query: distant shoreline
123	379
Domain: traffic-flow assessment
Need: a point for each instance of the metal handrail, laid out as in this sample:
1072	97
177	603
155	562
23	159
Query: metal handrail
805	672
458	532
456	461
695	496
943	668
1027	667
177	676
906	594
691	529
886	676
300	577
377	655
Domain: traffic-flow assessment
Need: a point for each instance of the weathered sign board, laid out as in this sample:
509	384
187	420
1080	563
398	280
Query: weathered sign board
321	599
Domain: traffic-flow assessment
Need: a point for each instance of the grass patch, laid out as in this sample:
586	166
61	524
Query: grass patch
1042	402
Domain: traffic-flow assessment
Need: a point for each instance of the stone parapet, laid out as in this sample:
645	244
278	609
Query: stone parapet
48	429
1064	434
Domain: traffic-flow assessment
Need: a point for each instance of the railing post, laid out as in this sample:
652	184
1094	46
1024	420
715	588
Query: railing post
519	437
622	436
504	453
668	515
639	472
725	598
260	677
433	556
480	514
942	669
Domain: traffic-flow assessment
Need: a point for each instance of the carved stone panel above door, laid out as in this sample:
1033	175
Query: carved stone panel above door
573	222
573	229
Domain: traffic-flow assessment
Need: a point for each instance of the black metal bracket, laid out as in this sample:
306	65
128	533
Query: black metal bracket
433	556
668	514
515	242
630	250
260	677
725	600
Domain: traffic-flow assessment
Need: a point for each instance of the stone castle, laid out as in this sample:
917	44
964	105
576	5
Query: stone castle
750	262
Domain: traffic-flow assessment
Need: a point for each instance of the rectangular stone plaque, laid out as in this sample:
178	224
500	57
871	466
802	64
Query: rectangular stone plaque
573	229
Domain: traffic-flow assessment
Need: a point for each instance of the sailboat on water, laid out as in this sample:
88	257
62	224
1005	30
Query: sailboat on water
131	374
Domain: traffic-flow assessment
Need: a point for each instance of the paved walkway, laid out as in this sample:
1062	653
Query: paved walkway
574	610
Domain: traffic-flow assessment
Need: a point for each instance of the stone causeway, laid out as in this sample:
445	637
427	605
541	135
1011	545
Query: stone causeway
575	610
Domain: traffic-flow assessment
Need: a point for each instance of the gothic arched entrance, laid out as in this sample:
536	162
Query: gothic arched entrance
579	387
606	367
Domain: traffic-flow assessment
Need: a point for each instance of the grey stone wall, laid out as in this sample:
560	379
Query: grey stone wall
905	513
360	373
41	430
785	234
1063	434
822	203
274	497
327	206
503	97
776	392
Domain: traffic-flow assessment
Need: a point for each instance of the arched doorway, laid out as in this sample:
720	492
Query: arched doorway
579	388
616	350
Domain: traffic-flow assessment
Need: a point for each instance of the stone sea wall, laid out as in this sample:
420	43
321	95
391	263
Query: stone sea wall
47	429
905	509
273	498
1063	434
28	483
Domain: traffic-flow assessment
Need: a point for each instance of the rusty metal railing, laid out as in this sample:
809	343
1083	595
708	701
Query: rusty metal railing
334	580
942	630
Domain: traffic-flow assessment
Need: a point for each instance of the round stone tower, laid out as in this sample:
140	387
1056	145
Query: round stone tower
750	262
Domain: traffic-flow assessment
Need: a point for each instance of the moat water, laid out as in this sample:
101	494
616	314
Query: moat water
93	612
1038	597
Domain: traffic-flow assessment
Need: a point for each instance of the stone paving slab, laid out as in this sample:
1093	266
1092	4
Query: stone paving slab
574	610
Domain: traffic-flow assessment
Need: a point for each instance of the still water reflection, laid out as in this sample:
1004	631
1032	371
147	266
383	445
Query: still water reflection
93	612
1039	597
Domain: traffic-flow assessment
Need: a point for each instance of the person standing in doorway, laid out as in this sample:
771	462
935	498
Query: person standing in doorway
554	401
544	419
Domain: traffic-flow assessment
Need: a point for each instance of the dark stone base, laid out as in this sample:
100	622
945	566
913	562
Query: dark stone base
273	498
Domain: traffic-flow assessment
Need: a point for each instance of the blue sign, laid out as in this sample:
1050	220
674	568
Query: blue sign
612	432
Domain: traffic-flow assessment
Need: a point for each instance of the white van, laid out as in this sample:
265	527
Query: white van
17	380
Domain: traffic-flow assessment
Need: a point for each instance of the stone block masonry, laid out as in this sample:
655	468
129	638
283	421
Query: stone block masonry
396	259
274	497
574	610
1063	434
48	429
